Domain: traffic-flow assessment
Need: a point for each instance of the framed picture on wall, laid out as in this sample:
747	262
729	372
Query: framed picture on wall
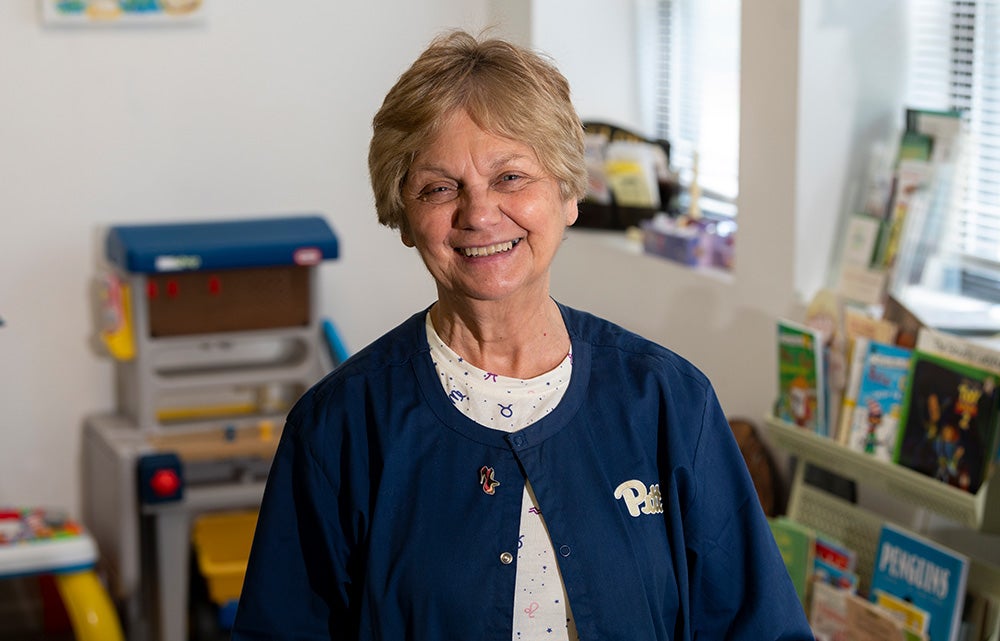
121	12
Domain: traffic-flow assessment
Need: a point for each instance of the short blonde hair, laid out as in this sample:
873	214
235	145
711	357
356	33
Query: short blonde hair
507	90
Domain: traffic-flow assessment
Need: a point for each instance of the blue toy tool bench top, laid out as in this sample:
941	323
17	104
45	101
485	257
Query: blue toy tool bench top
229	244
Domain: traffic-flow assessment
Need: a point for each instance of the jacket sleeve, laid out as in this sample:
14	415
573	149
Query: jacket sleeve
740	589
302	576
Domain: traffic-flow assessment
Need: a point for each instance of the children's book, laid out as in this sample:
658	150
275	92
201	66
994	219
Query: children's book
828	612
913	618
868	622
858	322
825	315
949	421
839	615
878	406
801	384
856	364
860	240
919	571
878	179
826	572
860	328
913	177
957	348
944	128
863	285
835	553
797	543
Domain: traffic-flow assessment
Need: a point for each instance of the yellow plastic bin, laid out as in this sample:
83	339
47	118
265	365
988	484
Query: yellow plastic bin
222	545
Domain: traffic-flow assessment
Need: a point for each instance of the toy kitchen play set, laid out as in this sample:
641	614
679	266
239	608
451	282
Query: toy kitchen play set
214	332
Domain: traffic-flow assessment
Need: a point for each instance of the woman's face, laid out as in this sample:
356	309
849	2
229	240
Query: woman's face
483	213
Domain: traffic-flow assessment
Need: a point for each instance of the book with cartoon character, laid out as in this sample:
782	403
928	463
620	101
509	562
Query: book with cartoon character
801	384
949	421
874	420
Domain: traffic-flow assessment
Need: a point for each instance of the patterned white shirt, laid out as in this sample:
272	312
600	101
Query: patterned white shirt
541	609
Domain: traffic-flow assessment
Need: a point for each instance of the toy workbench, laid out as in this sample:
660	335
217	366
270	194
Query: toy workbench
196	313
214	331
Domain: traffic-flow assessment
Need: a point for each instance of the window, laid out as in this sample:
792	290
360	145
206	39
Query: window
695	52
955	65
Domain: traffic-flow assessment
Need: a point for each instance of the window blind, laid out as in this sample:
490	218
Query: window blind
955	64
697	93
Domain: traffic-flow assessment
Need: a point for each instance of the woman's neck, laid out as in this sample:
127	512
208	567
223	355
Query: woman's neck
502	338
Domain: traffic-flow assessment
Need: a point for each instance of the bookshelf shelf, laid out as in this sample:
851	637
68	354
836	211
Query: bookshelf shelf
859	528
980	512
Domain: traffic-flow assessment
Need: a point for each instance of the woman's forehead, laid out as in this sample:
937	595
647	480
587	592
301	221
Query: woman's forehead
460	139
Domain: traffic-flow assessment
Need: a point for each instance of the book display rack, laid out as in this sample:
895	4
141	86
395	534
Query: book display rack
858	527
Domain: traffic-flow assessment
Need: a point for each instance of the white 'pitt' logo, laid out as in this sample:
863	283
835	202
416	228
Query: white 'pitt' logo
639	499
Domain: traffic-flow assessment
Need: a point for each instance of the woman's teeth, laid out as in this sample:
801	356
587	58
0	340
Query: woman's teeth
489	250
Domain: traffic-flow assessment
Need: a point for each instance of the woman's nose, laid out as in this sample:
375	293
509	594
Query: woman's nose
478	208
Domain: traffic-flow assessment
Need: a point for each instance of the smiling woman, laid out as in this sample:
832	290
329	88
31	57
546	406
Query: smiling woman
501	466
487	220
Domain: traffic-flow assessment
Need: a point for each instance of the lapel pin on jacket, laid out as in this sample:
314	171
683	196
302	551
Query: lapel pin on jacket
487	480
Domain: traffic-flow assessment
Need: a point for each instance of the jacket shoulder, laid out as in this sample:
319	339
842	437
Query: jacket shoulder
378	360
610	340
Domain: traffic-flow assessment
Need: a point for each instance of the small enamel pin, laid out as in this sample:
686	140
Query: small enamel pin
487	481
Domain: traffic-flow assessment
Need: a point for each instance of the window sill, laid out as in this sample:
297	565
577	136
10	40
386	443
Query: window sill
630	242
952	313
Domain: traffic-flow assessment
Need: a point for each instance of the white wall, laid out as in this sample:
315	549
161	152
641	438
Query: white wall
593	42
851	60
267	109
264	109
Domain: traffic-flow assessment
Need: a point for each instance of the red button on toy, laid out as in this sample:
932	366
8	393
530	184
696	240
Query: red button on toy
164	482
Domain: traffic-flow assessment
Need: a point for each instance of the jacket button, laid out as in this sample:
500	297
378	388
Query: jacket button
564	550
506	558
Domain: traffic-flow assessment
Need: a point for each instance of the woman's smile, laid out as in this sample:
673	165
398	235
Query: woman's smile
488	250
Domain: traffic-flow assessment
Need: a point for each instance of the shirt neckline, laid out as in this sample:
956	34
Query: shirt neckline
530	436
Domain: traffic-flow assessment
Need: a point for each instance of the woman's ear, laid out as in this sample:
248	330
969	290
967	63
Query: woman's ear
404	234
572	211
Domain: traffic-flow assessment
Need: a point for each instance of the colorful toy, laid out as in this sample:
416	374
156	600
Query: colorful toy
215	332
34	541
